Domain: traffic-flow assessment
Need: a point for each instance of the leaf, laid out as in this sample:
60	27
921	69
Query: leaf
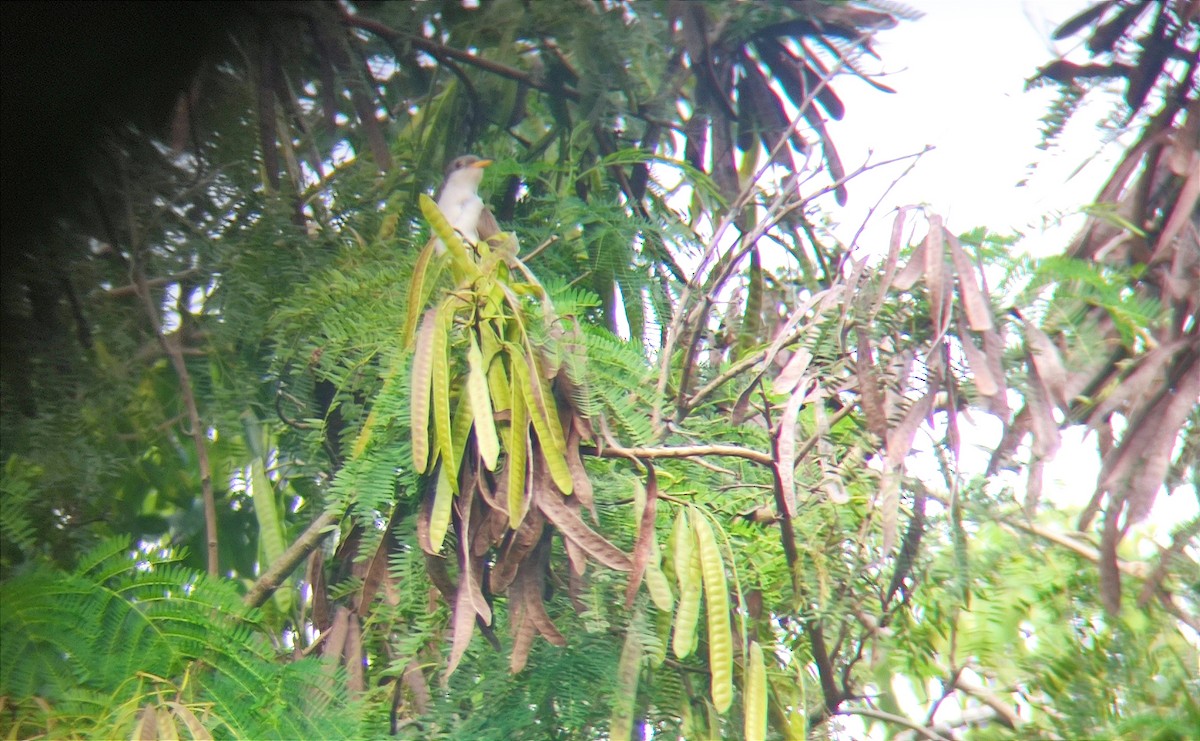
785	449
974	303
195	728
440	382
893	258
439	518
518	451
1048	361
647	498
583	485
625	695
528	610
687	573
935	272
516	546
481	407
793	372
463	627
498	381
899	443
911	272
656	581
977	361
720	636
416	294
544	415
422	377
755	695
551	504
869	385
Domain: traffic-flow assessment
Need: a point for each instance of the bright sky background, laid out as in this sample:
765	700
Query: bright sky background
960	73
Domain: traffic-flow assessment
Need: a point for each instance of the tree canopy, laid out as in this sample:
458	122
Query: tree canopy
663	459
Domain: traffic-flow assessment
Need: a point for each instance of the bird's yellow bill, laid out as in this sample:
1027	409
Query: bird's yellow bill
482	163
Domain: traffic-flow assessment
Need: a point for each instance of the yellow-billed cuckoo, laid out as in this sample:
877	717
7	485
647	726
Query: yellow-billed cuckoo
460	203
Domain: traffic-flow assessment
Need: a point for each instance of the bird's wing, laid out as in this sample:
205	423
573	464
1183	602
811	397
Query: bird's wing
486	226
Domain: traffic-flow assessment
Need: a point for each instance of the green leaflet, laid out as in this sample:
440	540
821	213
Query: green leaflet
656	581
518	453
755	695
544	415
440	361
498	384
416	294
481	407
625	695
443	500
422	377
720	635
687	573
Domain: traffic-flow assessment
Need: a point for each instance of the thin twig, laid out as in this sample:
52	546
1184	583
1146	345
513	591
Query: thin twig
173	348
900	720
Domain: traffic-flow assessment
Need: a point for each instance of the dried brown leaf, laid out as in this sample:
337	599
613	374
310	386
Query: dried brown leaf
1033	486
974	303
793	372
552	504
892	262
977	361
993	347
646	532
785	450
331	649
935	274
912	271
315	576
1046	437
869	386
1110	572
376	569
889	507
583	485
900	439
515	548
462	627
1132	391
356	681
1048	362
1134	472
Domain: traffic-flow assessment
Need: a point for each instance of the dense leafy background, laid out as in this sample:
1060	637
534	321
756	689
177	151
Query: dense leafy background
207	375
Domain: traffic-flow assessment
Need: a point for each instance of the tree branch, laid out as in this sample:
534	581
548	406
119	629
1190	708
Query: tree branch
270	580
682	451
928	733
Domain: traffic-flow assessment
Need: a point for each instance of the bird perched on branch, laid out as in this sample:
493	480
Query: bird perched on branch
459	201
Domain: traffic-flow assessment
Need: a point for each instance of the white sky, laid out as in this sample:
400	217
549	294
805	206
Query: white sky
960	73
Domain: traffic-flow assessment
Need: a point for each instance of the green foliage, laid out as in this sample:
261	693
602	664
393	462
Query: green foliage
284	278
84	650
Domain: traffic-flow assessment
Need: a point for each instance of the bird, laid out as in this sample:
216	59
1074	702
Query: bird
459	201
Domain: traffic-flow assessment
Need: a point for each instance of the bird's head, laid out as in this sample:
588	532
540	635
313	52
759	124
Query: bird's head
466	169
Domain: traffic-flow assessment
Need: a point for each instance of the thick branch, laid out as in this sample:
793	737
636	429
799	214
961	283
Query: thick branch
1005	713
887	717
683	451
921	730
296	552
